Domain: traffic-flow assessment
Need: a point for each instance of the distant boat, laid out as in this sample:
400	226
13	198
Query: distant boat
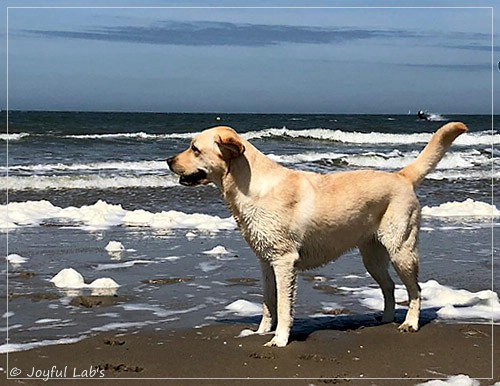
423	115
432	117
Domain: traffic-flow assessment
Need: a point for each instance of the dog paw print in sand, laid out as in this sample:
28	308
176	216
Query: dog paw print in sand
168	280
245	281
317	358
119	368
114	342
473	332
262	355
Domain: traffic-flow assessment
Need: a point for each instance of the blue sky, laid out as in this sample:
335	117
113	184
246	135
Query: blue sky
341	60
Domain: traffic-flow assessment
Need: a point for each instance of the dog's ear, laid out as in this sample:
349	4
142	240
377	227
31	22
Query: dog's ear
230	145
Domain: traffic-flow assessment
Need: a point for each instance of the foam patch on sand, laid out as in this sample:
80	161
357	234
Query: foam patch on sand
102	215
16	259
457	380
218	250
114	246
242	307
448	303
69	278
12	347
125	264
467	208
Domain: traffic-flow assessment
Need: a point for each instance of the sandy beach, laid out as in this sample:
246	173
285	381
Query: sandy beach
356	355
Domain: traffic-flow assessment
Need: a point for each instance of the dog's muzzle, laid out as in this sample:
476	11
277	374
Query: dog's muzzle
194	178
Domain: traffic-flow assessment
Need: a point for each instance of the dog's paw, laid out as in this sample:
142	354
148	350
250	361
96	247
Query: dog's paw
277	342
408	327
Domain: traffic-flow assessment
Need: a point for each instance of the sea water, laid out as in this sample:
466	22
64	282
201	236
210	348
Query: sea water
91	192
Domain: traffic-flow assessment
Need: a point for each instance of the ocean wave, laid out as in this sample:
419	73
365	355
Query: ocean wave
450	161
391	160
112	165
468	139
470	164
338	135
394	159
306	157
455	175
86	182
102	215
138	135
13	136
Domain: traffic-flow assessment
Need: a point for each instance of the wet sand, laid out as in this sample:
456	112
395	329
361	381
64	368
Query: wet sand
351	356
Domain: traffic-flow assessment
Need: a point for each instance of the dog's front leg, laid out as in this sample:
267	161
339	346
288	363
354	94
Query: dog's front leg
269	311
286	284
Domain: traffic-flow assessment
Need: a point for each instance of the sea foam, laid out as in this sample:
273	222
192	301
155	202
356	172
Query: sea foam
467	208
70	278
242	307
102	215
456	380
448	303
16	259
13	347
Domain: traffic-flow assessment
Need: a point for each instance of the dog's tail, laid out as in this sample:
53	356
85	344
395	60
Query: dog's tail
432	153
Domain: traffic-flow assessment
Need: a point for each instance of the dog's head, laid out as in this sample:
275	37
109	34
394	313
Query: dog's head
207	158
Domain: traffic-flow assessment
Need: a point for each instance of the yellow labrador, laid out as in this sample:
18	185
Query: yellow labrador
295	220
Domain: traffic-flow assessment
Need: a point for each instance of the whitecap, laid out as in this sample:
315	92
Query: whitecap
468	139
95	181
13	136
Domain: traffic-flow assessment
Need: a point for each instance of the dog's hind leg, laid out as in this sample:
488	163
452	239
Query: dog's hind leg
405	263
269	310
376	260
401	238
286	286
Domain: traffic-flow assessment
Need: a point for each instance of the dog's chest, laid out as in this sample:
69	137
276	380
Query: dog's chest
261	228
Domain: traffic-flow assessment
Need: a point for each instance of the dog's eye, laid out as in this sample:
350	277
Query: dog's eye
194	149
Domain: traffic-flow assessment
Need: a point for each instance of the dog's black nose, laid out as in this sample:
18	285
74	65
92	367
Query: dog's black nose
170	161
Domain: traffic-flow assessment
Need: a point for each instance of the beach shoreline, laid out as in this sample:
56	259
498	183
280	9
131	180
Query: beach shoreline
214	355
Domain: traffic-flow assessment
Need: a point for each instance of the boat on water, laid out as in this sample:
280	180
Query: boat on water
423	115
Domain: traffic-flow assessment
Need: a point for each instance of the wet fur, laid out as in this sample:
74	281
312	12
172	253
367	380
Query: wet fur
296	220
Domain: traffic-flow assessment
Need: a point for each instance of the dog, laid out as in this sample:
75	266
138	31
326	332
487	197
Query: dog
296	220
